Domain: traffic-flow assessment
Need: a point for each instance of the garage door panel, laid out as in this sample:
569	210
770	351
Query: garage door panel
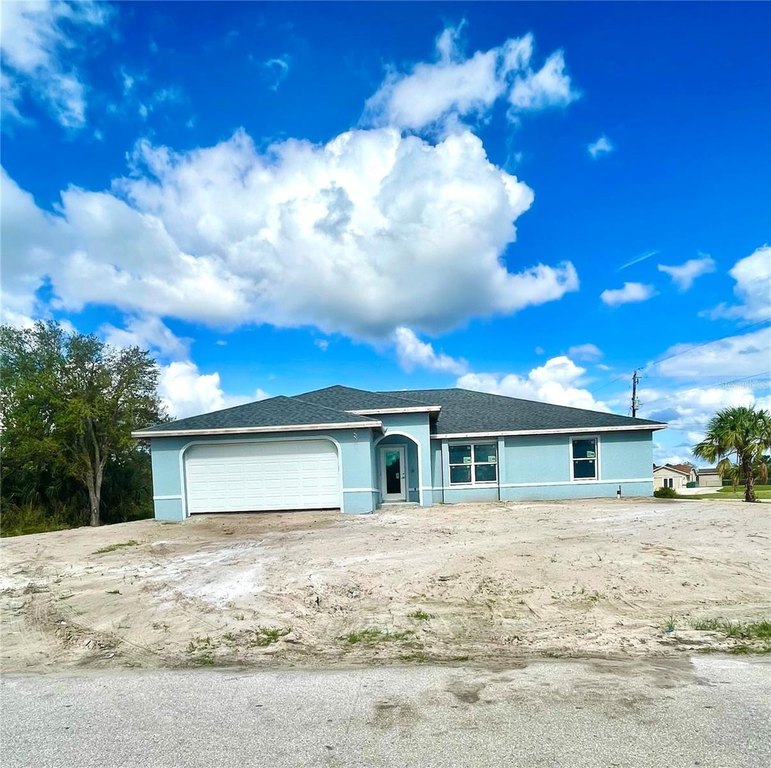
243	477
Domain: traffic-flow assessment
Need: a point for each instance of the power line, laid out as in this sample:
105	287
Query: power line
677	354
701	344
751	377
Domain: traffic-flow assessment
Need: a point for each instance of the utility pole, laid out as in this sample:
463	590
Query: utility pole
635	403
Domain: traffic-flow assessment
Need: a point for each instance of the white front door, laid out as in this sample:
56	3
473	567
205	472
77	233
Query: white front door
393	471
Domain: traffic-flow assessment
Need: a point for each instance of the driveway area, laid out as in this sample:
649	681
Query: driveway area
491	583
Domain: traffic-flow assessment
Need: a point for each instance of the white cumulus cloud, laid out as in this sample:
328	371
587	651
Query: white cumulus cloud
753	287
147	332
186	392
362	235
414	353
683	275
690	408
455	87
743	355
556	381
630	293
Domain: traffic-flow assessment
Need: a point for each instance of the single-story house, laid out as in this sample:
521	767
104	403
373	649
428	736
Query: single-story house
708	477
673	476
353	450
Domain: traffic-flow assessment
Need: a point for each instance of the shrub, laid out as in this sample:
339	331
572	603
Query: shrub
665	493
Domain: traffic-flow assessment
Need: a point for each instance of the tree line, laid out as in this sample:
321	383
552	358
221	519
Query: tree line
68	405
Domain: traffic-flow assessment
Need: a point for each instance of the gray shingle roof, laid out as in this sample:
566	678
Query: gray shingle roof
275	412
350	399
464	411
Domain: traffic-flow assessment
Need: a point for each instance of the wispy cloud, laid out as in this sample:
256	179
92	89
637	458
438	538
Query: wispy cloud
587	352
638	259
603	146
275	71
683	275
40	45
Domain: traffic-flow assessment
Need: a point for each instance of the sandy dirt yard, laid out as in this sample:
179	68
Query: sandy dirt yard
483	582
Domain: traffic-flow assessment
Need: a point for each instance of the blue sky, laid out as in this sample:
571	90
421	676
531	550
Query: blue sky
534	199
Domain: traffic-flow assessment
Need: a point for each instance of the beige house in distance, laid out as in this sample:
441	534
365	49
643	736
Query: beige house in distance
708	477
674	476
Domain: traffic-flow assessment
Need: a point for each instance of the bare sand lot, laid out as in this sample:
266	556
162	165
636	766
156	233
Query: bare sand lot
469	582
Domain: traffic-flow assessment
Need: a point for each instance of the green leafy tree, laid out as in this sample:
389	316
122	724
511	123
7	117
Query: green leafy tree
69	403
737	439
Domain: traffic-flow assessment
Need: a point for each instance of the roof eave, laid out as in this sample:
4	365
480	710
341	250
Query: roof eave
560	431
387	411
146	433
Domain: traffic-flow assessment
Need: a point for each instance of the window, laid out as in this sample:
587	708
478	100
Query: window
473	463
669	482
584	456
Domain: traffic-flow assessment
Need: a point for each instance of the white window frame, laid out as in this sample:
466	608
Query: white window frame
597	474
473	464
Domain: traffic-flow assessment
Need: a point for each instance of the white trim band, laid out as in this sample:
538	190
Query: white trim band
545	483
385	411
526	432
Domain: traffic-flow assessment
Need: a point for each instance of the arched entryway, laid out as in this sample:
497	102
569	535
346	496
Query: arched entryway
398	471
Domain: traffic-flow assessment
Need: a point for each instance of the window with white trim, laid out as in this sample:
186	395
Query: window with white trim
669	482
584	457
473	463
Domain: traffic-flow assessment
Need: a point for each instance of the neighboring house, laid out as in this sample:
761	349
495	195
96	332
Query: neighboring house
673	476
709	477
353	450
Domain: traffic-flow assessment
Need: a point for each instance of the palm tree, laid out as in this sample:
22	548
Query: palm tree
743	433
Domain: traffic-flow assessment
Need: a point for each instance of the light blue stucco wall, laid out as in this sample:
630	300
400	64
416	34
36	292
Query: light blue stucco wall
539	467
529	467
411	430
355	448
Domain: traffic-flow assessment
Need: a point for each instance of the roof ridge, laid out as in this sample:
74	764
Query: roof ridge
361	391
326	407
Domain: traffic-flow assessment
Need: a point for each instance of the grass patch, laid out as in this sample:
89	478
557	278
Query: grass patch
419	615
373	636
113	547
750	630
264	636
261	637
416	657
204	660
727	492
750	636
198	644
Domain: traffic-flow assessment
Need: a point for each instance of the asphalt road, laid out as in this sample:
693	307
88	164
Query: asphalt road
703	711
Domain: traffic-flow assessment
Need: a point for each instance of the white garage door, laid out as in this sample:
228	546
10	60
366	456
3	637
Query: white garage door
248	477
